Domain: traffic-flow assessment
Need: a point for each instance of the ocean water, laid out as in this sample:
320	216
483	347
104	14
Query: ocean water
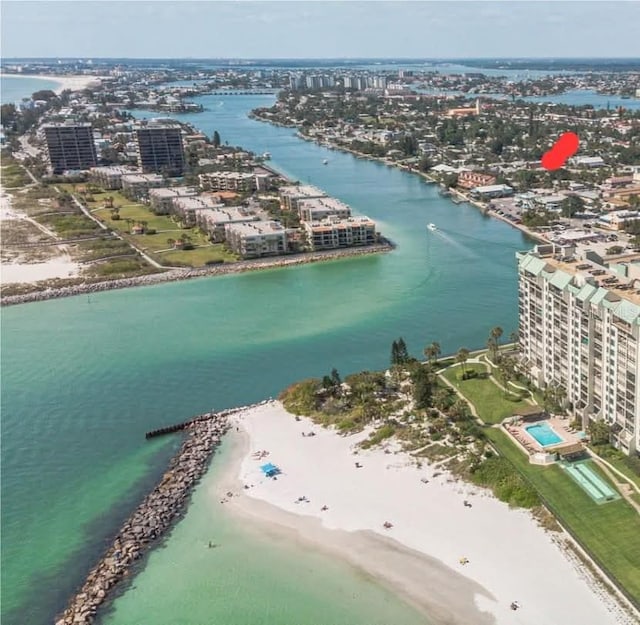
84	378
14	88
283	583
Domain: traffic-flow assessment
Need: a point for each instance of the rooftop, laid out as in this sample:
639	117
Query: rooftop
591	280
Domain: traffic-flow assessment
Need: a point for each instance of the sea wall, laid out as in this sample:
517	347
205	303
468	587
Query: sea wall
152	518
174	275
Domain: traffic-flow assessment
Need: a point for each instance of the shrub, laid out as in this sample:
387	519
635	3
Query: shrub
386	431
506	483
301	398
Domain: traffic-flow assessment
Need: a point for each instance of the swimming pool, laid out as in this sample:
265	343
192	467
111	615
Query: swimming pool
544	434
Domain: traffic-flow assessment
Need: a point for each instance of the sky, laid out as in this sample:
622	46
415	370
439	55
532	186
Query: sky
322	29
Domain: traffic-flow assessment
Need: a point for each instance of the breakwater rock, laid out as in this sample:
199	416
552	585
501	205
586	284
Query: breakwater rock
173	275
153	517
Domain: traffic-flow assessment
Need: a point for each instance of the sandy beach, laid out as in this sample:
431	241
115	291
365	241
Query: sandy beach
74	82
13	269
510	558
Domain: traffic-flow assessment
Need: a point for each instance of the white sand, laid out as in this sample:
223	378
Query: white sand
60	266
74	82
510	556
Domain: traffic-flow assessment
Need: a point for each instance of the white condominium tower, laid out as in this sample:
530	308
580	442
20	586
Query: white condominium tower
580	328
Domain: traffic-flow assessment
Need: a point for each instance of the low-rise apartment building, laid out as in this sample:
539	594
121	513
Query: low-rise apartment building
109	178
292	194
242	182
472	179
580	328
317	209
256	239
161	200
332	233
186	208
213	221
136	186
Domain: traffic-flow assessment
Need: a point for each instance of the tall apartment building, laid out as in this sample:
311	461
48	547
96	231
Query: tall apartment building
580	328
70	146
159	148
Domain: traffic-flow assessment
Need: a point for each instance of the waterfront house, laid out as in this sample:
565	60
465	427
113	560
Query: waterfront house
473	179
492	191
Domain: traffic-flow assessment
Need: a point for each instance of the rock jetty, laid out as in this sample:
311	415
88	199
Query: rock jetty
174	275
153	517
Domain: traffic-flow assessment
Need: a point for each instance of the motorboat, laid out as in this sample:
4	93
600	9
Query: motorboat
266	156
325	161
432	227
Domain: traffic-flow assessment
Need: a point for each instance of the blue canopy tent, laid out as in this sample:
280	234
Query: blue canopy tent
270	469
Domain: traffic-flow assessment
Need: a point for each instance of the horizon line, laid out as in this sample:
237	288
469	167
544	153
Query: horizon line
329	58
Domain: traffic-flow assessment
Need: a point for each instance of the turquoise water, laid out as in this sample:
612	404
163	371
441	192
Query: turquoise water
280	586
544	434
14	88
83	380
596	487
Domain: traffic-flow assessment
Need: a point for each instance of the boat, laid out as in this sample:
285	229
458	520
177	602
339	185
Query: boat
325	162
432	227
266	156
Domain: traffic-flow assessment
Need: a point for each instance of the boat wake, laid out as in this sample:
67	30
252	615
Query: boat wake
454	243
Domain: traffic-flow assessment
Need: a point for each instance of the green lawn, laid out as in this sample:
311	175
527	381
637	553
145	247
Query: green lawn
615	458
155	242
137	212
488	399
610	531
196	257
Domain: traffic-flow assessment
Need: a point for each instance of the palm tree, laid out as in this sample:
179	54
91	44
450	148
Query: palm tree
432	352
514	337
495	334
461	357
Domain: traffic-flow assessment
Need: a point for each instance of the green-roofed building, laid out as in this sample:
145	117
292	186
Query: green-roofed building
580	329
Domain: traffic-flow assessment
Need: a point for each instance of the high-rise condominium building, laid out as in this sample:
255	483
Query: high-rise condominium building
70	146
580	329
159	147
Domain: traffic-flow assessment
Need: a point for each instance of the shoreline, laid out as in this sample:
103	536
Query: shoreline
425	176
176	275
73	82
398	569
431	531
154	517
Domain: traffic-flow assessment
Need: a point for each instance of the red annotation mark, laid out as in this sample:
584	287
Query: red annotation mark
563	148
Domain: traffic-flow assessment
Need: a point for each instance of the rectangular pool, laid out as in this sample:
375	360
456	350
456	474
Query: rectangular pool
543	434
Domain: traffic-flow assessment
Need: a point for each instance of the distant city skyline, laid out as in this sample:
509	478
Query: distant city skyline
292	30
